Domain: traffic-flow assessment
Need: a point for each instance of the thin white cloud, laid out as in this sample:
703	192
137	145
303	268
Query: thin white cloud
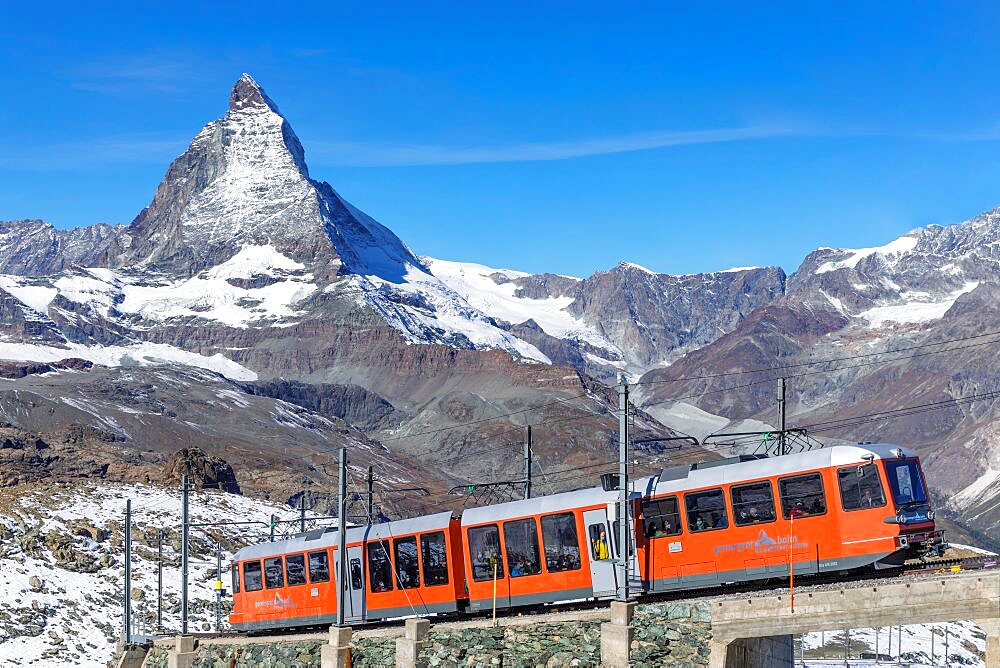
129	74
359	154
72	156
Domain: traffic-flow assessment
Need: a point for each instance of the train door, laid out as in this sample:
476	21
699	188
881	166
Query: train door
354	599
602	561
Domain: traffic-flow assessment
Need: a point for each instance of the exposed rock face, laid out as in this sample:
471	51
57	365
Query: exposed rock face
35	248
656	318
351	403
202	471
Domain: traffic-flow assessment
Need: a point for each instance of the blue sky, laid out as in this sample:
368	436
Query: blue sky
558	137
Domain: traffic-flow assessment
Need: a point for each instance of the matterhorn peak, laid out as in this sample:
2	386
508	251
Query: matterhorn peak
247	92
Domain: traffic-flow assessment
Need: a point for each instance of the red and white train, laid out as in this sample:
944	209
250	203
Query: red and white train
836	509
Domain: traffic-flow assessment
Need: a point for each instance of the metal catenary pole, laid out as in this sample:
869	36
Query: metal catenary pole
159	580
623	490
185	522
341	536
218	586
781	416
527	465
127	635
371	492
302	512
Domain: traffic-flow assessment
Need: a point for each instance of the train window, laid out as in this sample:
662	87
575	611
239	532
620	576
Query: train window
274	574
407	567
752	503
661	517
706	510
521	537
379	566
319	567
905	481
860	487
484	550
295	569
600	548
251	576
236	579
356	574
616	529
434	555
802	495
562	547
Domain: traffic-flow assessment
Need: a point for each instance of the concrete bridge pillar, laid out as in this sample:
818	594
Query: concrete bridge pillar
763	652
408	647
616	635
337	652
183	653
992	629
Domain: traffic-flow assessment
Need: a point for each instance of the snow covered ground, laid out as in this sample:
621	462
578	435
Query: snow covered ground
62	566
952	644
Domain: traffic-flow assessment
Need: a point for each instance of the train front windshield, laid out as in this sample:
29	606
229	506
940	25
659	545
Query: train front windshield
906	482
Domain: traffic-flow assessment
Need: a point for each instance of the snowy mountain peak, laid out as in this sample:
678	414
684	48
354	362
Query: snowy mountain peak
247	92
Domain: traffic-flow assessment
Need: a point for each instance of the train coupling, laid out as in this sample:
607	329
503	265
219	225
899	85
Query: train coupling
923	544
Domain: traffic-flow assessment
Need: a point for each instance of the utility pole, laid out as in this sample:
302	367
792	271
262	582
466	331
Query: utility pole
623	490
946	644
932	645
371	493
341	537
159	580
128	573
899	642
185	527
527	465
302	512
781	416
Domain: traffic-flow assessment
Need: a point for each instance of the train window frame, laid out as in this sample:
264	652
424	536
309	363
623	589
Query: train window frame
593	537
511	537
847	473
247	584
379	549
678	522
235	570
409	579
497	557
916	480
575	562
274	566
689	512
436	574
300	577
320	555
772	516
786	512
357	573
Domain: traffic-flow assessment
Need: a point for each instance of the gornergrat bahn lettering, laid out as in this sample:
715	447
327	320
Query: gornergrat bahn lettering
842	508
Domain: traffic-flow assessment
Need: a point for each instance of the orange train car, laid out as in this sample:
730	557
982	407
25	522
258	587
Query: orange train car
407	567
840	508
834	509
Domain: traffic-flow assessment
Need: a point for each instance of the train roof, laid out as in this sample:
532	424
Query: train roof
327	536
683	477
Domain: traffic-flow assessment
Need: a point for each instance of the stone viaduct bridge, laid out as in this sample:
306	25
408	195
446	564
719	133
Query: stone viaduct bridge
720	632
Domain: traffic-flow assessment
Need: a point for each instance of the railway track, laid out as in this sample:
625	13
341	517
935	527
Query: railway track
762	587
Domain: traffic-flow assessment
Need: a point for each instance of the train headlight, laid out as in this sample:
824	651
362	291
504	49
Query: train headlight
903	541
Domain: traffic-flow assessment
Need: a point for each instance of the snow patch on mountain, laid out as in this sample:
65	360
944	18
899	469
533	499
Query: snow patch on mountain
426	310
476	284
916	307
896	247
140	354
253	260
